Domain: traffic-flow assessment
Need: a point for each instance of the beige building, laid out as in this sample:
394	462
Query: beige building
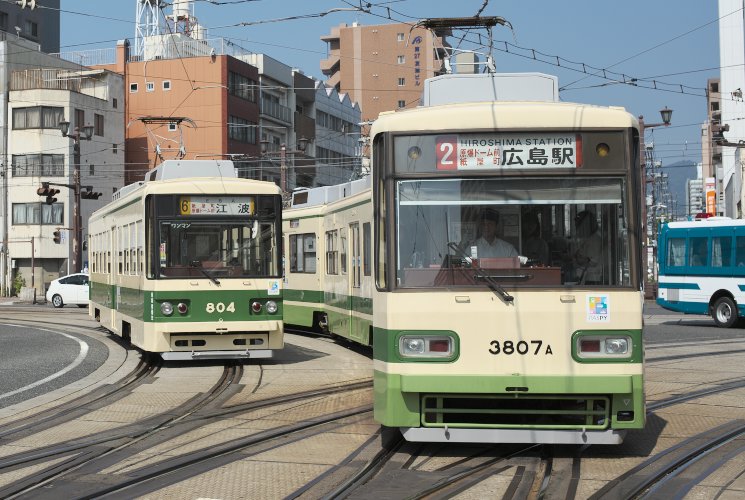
381	67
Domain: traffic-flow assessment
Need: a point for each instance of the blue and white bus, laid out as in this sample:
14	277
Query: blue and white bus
702	268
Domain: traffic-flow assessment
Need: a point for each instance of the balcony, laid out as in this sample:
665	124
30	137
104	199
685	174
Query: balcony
276	110
88	82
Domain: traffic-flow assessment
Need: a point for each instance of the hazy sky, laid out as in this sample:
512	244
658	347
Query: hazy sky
671	45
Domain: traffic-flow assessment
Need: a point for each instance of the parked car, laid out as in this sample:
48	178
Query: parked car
71	289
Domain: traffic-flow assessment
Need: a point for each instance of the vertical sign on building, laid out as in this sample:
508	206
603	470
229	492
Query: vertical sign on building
710	190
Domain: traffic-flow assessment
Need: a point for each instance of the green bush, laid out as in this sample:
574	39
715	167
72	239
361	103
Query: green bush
18	282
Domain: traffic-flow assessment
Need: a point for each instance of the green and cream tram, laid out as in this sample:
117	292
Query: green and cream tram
540	339
186	263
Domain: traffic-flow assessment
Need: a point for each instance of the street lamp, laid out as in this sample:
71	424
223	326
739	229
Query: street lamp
666	114
77	225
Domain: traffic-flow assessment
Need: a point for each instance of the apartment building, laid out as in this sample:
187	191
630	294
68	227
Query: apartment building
382	67
36	152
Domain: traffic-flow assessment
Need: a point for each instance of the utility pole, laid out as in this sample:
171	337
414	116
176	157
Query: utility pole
77	224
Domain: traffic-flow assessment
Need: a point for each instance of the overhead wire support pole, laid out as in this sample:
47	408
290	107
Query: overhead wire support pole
78	134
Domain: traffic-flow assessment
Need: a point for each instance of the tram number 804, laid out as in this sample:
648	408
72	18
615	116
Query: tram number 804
220	307
523	347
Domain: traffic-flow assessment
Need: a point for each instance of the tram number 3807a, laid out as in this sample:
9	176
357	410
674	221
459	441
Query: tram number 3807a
523	347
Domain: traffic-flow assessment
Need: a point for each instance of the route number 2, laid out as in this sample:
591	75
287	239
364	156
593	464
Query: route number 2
447	152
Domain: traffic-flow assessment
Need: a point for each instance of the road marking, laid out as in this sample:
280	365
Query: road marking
81	356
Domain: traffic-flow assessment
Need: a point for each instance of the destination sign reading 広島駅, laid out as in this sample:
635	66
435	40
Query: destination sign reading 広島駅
208	205
480	152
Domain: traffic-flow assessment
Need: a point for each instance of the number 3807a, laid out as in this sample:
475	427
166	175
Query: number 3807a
220	307
522	347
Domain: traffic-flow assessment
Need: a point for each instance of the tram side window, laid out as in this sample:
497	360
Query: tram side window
699	254
303	253
343	252
332	252
676	251
366	247
721	251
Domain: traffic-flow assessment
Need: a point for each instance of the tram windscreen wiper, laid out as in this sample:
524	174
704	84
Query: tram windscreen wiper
496	287
198	265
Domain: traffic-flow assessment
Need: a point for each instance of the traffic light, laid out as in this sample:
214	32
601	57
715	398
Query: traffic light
50	193
57	236
89	195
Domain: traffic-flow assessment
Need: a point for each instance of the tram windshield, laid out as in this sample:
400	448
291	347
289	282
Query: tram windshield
544	232
223	244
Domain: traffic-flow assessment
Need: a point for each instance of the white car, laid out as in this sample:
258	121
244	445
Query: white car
71	289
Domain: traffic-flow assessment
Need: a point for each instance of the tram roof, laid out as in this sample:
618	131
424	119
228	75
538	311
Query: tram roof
504	115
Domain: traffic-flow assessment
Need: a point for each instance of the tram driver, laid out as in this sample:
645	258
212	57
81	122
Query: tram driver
488	245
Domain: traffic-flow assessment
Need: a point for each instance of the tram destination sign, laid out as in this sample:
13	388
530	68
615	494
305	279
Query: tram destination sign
508	151
217	205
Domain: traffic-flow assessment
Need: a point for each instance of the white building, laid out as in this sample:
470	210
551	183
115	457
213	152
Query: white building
732	87
37	152
339	139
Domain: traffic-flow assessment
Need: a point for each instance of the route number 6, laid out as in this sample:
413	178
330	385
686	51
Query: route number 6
220	307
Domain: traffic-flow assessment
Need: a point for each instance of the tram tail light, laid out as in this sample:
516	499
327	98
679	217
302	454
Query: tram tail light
425	346
256	306
589	345
182	308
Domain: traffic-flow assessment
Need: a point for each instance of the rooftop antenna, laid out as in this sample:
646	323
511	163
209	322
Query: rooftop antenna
148	23
448	23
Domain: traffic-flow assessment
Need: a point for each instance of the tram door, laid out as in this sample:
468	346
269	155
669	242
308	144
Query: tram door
355	281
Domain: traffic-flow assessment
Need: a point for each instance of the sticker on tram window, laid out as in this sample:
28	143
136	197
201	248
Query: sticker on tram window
598	308
217	205
482	152
520	347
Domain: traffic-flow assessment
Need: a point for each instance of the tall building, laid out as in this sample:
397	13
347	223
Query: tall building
731	89
39	90
381	67
39	25
712	131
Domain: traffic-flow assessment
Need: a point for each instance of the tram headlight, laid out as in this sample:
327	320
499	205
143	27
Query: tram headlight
617	346
427	346
600	346
166	308
271	307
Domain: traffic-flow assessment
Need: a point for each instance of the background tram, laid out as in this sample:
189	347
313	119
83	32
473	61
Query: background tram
187	263
470	347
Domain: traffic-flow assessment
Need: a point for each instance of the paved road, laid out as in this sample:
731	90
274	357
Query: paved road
34	361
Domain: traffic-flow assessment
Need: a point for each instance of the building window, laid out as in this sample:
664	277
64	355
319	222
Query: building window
114	103
4	20
79	119
401	104
400	59
115	148
38	213
166	85
241	86
400	37
37	117
32	29
92	170
97	124
132	88
149	86
240	129
36	165
172	127
401	82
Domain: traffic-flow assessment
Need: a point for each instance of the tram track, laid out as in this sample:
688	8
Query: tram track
144	372
89	450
